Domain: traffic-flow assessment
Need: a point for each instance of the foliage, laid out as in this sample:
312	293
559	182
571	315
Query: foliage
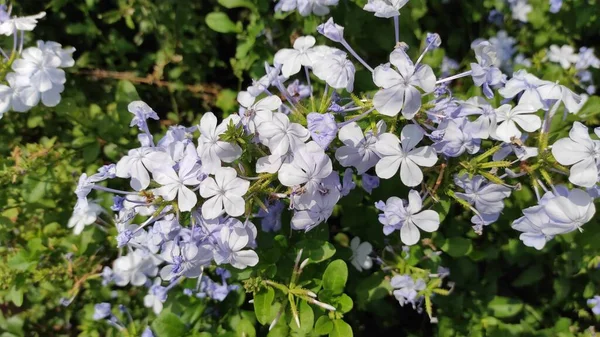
189	57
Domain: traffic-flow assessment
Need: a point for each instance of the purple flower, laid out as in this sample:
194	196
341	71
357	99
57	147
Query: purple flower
433	40
369	182
595	303
555	5
147	332
347	183
496	17
117	203
406	289
322	127
101	310
331	30
271	219
141	112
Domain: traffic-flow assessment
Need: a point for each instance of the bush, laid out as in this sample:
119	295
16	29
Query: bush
206	226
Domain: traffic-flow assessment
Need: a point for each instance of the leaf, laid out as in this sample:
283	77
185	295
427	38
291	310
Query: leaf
307	318
220	22
530	276
345	303
323	326
335	276
341	329
504	307
168	324
457	246
237	3
372	288
262	304
317	250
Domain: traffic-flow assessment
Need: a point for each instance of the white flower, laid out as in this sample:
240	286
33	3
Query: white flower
174	184
522	81
253	114
309	166
313	208
569	212
134	268
83	216
520	9
210	148
11	96
413	217
580	151
225	192
41	68
401	153
231	241
555	91
336	70
293	59
359	149
138	162
532	224
185	259
280	135
385	8
318	7
24	23
509	117
360	254
398	87
65	54
564	55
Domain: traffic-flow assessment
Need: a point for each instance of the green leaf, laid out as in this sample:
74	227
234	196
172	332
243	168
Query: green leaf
457	246
341	329
344	303
504	307
316	250
168	324
220	22
323	326
530	276
237	3
335	276
306	316
262	304
372	288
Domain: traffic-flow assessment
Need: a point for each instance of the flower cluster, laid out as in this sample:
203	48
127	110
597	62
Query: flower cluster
195	191
38	73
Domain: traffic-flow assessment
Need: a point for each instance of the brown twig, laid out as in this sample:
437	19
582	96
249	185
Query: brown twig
208	92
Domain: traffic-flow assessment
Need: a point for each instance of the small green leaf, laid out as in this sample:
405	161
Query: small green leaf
335	276
503	307
341	329
168	324
307	318
344	303
530	276
262	304
317	250
323	326
220	22
457	246
237	3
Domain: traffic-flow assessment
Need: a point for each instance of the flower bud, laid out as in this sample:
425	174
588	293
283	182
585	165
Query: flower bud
331	30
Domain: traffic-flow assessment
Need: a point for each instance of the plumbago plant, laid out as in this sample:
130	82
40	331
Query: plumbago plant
294	159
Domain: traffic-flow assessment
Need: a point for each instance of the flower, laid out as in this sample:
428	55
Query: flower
532	225
398	86
225	192
231	242
316	208
522	81
101	311
293	59
580	151
253	114
138	162
141	112
488	198
317	7
401	153
24	23
211	149
280	135
595	304
174	184
184	258
360	254
83	216
520	9
408	218
485	72
331	30
407	289
359	149
458	138
569	212
157	295
564	55
134	268
555	6
336	70
369	182
309	166
322	127
509	117
385	8
41	68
